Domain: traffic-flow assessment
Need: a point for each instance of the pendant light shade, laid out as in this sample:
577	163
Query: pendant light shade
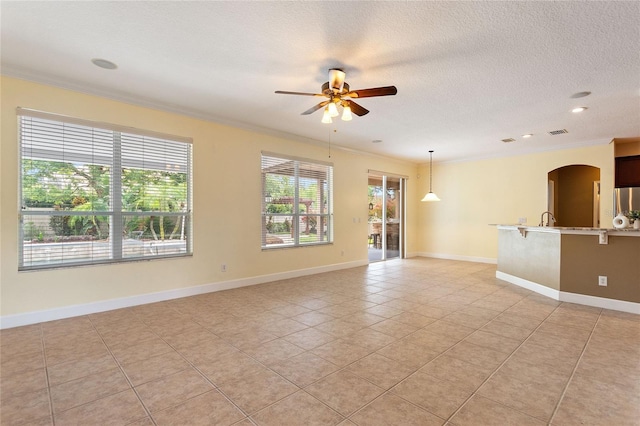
431	196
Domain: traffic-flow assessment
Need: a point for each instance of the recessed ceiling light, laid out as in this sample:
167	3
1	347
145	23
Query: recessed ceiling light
528	135
508	140
103	63
578	109
377	141
579	95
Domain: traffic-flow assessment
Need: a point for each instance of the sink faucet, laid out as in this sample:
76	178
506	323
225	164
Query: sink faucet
550	219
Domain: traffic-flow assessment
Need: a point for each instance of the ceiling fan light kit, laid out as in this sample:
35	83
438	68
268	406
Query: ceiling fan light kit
326	116
333	110
346	112
338	93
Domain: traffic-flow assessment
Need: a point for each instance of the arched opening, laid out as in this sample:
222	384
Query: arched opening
574	195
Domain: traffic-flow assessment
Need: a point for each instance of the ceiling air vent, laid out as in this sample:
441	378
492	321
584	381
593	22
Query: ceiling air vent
558	132
508	140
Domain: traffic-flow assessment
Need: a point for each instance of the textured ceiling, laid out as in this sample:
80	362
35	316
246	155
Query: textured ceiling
468	73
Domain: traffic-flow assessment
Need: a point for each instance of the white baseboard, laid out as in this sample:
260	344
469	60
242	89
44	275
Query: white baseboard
563	296
17	320
529	285
601	302
458	257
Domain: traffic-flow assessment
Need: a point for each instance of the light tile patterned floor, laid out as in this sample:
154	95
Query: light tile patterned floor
418	341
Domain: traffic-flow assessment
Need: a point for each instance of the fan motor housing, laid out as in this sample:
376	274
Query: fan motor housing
326	89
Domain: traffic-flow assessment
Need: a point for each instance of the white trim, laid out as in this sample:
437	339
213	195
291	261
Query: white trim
10	321
529	285
476	259
138	101
60	83
564	296
601	302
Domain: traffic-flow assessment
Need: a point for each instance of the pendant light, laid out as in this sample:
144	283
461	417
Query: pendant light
431	196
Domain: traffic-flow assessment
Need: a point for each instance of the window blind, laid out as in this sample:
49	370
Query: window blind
296	201
92	194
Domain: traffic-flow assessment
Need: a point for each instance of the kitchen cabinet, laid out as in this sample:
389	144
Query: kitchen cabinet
627	171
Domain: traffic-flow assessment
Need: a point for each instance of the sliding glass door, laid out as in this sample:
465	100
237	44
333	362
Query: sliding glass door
386	217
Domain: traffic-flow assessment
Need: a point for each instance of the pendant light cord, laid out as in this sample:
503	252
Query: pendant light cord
430	169
334	131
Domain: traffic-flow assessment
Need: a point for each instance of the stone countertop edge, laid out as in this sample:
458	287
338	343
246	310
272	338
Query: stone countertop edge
560	229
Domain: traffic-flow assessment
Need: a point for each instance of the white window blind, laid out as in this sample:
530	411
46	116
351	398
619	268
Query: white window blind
95	193
296	201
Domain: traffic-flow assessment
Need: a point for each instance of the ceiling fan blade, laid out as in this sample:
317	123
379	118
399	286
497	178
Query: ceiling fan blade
282	92
315	108
375	91
358	110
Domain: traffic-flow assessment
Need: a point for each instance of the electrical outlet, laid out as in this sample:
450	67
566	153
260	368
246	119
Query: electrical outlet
602	281
223	267
522	220
603	238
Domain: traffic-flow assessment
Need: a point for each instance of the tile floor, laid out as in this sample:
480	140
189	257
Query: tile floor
417	341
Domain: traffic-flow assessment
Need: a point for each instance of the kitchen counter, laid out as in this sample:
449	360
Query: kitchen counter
567	263
573	230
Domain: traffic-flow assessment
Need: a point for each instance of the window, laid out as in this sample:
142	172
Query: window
296	202
98	193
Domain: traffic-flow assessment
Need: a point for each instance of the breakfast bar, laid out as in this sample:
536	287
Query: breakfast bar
591	266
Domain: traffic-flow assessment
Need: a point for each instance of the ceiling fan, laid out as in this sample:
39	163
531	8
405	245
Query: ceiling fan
337	92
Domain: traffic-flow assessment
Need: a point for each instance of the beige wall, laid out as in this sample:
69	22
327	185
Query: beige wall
226	167
584	260
478	193
226	207
625	147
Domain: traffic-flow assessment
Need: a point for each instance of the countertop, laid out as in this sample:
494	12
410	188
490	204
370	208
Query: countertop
570	230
